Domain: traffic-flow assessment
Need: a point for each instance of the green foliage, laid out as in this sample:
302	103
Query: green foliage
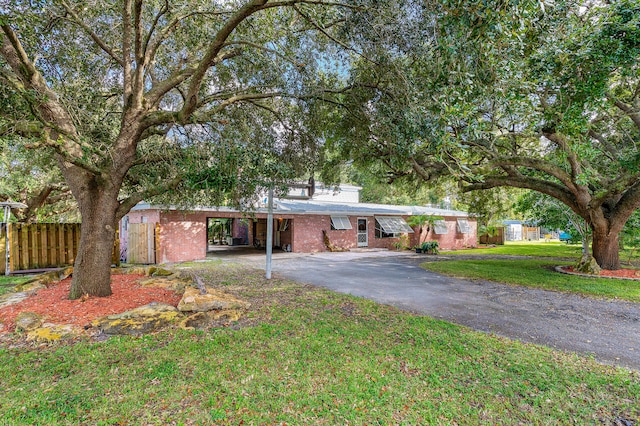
430	247
527	95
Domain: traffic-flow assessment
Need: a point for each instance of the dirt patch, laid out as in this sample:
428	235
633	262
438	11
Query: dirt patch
53	303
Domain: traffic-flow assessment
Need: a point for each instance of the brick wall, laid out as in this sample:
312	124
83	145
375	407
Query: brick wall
183	235
452	240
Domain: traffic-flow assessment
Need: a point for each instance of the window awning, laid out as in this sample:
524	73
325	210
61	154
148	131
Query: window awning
463	226
393	224
340	222
440	227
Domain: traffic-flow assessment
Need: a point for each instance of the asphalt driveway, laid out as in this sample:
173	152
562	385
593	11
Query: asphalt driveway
607	330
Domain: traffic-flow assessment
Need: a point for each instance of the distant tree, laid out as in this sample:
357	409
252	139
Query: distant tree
26	176
550	213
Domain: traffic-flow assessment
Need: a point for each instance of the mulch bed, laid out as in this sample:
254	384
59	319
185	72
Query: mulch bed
53	303
618	273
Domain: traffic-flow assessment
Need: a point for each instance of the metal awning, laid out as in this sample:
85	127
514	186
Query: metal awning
340	222
463	226
440	227
393	224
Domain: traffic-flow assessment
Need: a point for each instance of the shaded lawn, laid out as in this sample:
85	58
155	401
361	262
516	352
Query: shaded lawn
7	283
528	248
536	273
308	356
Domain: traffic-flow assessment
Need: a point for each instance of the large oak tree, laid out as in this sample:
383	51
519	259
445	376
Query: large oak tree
532	95
136	98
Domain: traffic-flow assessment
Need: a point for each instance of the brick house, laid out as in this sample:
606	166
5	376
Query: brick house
299	226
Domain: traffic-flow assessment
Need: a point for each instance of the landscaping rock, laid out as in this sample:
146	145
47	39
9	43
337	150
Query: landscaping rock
141	320
27	321
213	300
170	283
155	271
55	276
30	287
12	298
52	332
44	280
588	265
204	320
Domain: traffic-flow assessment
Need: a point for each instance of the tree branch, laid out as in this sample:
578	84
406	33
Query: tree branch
212	53
632	113
543	166
576	167
126	52
130	202
95	37
550	188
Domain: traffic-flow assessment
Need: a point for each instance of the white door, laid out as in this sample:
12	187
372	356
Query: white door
363	233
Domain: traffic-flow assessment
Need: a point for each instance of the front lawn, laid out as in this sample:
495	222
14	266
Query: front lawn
536	273
528	248
305	356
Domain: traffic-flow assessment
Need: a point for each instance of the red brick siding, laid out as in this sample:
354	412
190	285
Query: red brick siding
183	236
452	240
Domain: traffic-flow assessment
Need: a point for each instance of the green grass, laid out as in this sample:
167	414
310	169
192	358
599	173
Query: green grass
7	284
536	273
528	248
309	356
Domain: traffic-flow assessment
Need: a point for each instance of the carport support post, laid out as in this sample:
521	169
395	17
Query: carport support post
269	232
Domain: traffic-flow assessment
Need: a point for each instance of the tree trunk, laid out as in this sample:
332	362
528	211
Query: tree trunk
92	268
605	249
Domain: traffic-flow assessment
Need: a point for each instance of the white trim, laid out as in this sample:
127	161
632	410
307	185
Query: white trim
463	226
440	227
341	223
362	237
393	225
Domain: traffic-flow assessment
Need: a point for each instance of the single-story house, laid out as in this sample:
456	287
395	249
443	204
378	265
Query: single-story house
300	225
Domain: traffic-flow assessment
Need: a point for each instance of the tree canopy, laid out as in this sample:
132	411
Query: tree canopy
194	101
531	95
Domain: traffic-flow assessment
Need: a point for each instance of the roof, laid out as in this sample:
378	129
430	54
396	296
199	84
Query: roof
359	209
311	207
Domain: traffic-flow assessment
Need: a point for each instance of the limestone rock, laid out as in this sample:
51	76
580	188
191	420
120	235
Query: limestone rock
27	321
204	320
44	280
155	271
141	320
212	300
52	332
588	265
55	276
166	283
30	287
12	298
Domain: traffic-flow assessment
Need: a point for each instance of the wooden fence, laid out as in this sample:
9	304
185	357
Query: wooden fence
142	242
495	239
43	245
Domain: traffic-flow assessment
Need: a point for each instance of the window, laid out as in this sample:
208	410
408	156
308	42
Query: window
440	227
463	226
391	226
340	223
